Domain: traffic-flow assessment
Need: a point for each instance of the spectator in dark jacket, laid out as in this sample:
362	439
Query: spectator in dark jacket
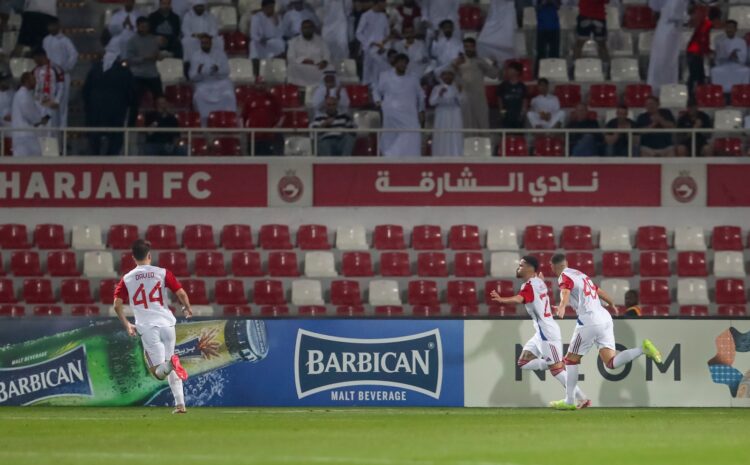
165	24
584	144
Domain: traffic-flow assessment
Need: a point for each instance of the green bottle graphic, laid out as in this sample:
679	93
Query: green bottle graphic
101	365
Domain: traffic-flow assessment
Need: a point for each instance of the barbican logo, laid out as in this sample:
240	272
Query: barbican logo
413	362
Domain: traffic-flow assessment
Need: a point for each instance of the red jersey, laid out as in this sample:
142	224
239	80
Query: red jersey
593	9
700	42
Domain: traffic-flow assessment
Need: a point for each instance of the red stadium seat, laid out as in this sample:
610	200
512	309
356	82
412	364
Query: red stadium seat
196	291
297	119
654	264
576	238
470	265
366	146
356	264
107	291
76	291
710	95
188	119
464	237
122	236
726	238
432	264
639	17
85	310
515	146
490	93
427	237
527	68
2	267
470	17
209	264
236	237
48	310
732	310
741	95
691	264
388	237
230	292
655	310
545	267
196	146
14	236
232	311
569	95
312	310
25	263
501	310
539	237
582	261
50	236
359	95
464	311
283	264
246	264
235	43
198	237
287	95
548	146
127	262
268	292
603	96
651	238
394	264
275	237
7	293
38	291
352	310
345	292
389	311
176	262
313	237
693	310
727	147
162	236
730	291
637	94
179	95
504	288
223	119
228	146
62	263
274	310
423	293
616	264
655	292
462	293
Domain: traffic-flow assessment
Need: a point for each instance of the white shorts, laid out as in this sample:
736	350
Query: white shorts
584	337
551	351
158	343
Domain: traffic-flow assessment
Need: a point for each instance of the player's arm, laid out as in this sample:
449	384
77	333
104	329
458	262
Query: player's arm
607	300
516	299
129	327
183	298
564	298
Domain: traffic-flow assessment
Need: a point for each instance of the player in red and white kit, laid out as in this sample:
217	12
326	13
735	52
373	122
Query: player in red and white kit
544	350
145	287
593	327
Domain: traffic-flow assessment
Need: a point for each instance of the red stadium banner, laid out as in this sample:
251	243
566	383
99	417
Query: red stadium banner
484	184
133	185
728	186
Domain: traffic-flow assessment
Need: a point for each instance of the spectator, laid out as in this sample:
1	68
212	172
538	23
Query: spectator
409	15
266	38
209	70
664	62
196	23
592	21
545	110
693	118
699	46
373	33
291	22
446	98
471	73
6	101
633	309
179	7
434	12
164	23
656	144
512	98
400	97
307	57
498	37
26	114
547	29
413	48
730	55
142	55
162	143
122	25
335	29
50	87
330	87
62	53
334	143
616	143
35	19
584	144
446	47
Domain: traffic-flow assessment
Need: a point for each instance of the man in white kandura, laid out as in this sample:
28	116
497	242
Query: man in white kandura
664	60
307	57
544	350
593	327
731	59
61	52
446	97
544	111
373	32
209	70
145	288
196	23
335	31
26	113
266	38
122	24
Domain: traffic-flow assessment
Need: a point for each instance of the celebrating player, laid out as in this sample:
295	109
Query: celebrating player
154	321
593	326
544	349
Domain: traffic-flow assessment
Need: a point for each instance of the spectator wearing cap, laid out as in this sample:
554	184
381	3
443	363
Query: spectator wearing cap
307	57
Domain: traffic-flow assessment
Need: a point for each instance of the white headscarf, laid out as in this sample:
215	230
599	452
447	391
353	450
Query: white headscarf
111	53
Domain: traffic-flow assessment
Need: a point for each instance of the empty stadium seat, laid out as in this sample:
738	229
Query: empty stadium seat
636	95
691	264
639	17
616	288
625	70
470	17
347	71
464	237
502	238
504	264
176	262
727	147
171	71
576	238
740	95
196	291
692	291
693	310
384	292
548	146
283	264
268	292
179	95
588	70
38	291
729	264
275	237
603	96
107	290
359	95
654	292
274	311
427	237
388	237
198	237
189	119
62	263
7	293
732	310
741	14
48	310
162	236
76	291
689	238
569	95
272	70
12	310
478	147
359	310
544	258
616	238
462	293
469	265
423	292
728	119
394	264
655	310
730	291
616	264
539	237
230	292
651	238
127	262
432	264
654	264
210	264
582	261
241	71
313	237
320	265
295	146
287	95
307	292
85	310
673	96
20	65
710	96
14	236
356	264
553	69
345	293
246	264
25	263
87	237
50	236
351	238
236	237
514	146
366	119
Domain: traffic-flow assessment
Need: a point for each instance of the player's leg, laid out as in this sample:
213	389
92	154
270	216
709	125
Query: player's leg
552	351
612	359
175	383
531	357
580	343
153	348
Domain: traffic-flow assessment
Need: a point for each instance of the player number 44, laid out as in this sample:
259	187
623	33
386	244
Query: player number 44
589	289
139	298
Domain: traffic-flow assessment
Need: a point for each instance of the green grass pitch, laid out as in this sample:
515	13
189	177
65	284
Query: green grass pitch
237	436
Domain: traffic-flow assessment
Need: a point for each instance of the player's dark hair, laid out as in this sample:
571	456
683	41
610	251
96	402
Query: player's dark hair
532	261
140	249
558	258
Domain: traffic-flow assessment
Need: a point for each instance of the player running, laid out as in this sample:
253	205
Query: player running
593	326
544	350
154	322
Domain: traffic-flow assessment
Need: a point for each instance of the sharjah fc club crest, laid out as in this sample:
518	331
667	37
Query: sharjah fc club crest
684	187
290	187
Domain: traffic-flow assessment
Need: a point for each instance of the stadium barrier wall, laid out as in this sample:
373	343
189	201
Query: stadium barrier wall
70	361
